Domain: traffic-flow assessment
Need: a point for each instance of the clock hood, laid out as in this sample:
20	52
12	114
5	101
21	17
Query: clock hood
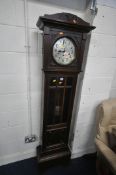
66	20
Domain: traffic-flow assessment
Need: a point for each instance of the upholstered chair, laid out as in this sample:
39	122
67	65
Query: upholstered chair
106	137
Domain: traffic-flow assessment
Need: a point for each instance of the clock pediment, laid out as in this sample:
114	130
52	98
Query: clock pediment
65	20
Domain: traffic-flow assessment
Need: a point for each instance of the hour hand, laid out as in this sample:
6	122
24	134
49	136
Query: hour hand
62	50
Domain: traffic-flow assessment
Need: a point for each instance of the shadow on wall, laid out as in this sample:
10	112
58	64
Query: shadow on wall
113	87
74	4
78	93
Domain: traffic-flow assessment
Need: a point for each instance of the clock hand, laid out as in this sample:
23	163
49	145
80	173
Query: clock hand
61	50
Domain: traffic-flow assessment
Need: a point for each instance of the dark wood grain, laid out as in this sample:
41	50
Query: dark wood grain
65	20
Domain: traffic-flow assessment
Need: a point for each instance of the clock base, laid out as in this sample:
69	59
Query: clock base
52	154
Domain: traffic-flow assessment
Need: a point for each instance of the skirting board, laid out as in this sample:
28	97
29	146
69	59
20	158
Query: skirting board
83	152
32	153
17	157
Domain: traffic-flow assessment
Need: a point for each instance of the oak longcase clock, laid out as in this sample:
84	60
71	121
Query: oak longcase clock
64	37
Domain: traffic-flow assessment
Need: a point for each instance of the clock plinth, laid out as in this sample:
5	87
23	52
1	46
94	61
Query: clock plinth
53	153
64	37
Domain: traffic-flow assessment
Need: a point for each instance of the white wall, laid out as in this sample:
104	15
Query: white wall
97	82
111	3
14	123
75	4
13	86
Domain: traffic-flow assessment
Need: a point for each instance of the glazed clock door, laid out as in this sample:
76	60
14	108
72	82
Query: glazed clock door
58	108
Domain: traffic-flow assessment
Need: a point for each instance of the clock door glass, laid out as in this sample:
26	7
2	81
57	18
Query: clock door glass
64	51
59	96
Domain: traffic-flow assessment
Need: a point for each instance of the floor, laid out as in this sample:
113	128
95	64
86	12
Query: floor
79	166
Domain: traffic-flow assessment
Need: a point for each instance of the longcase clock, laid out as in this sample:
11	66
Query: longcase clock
64	37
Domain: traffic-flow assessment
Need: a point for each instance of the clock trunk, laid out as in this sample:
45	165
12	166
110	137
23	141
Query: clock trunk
58	103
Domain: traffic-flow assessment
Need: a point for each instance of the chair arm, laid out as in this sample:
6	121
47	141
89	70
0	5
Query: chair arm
107	153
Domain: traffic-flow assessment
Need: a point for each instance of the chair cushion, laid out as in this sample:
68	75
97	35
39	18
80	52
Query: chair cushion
113	116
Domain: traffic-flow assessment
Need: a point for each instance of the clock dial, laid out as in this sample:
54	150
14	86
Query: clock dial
64	51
